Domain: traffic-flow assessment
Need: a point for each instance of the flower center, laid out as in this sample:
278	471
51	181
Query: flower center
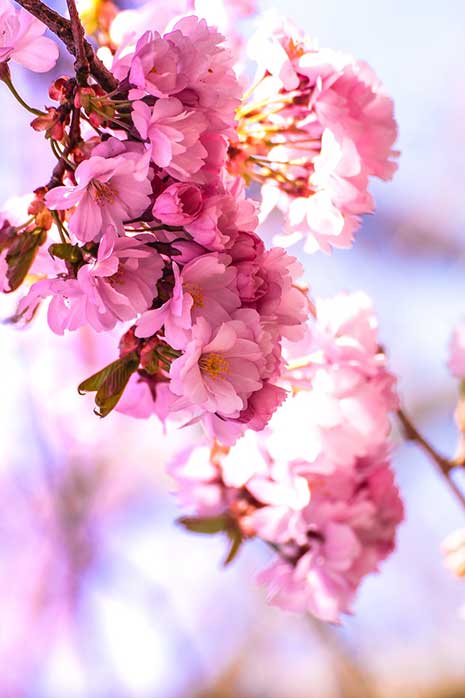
214	364
196	293
101	193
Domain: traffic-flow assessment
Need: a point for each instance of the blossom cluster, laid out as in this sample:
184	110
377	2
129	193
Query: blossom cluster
316	484
316	126
158	234
145	230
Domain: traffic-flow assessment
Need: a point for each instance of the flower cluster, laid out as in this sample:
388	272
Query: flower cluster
316	484
313	130
145	230
157	233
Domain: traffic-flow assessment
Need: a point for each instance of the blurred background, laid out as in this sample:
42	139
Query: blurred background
101	595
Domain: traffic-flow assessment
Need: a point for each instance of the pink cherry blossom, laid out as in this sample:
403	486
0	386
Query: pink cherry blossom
220	368
205	288
268	285
154	67
22	40
212	86
329	127
351	524
174	135
178	204
345	392
224	215
116	287
108	191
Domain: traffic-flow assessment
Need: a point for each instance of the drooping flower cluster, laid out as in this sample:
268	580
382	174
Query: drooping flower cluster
317	483
160	235
313	130
144	229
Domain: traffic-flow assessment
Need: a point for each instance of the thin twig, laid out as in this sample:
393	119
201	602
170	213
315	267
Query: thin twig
62	165
443	464
61	27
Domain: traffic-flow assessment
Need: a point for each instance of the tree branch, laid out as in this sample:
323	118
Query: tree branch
81	64
443	465
61	27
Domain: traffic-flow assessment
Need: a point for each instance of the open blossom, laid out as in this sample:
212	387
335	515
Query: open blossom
343	534
205	288
221	368
272	291
345	394
112	186
224	215
117	286
315	128
174	135
330	531
22	40
192	63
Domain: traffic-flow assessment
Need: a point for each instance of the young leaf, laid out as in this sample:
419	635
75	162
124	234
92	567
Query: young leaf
21	255
235	536
214	524
110	382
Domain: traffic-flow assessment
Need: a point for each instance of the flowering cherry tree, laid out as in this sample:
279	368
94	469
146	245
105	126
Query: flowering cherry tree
146	230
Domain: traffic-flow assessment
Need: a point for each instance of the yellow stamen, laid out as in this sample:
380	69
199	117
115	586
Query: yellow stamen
214	364
101	193
196	293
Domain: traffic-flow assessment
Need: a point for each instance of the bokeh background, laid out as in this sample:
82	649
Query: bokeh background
101	595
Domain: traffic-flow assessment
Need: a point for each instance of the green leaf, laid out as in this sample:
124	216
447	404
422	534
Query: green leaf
21	255
214	524
236	538
109	383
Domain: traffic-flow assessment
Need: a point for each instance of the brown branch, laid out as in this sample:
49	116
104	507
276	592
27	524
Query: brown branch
444	465
62	28
81	64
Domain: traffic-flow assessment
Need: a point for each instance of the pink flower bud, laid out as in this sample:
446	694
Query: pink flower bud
178	204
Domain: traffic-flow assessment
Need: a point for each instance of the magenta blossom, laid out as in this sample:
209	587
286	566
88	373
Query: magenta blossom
108	191
22	40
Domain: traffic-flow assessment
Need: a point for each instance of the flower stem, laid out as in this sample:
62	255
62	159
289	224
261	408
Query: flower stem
18	97
444	465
